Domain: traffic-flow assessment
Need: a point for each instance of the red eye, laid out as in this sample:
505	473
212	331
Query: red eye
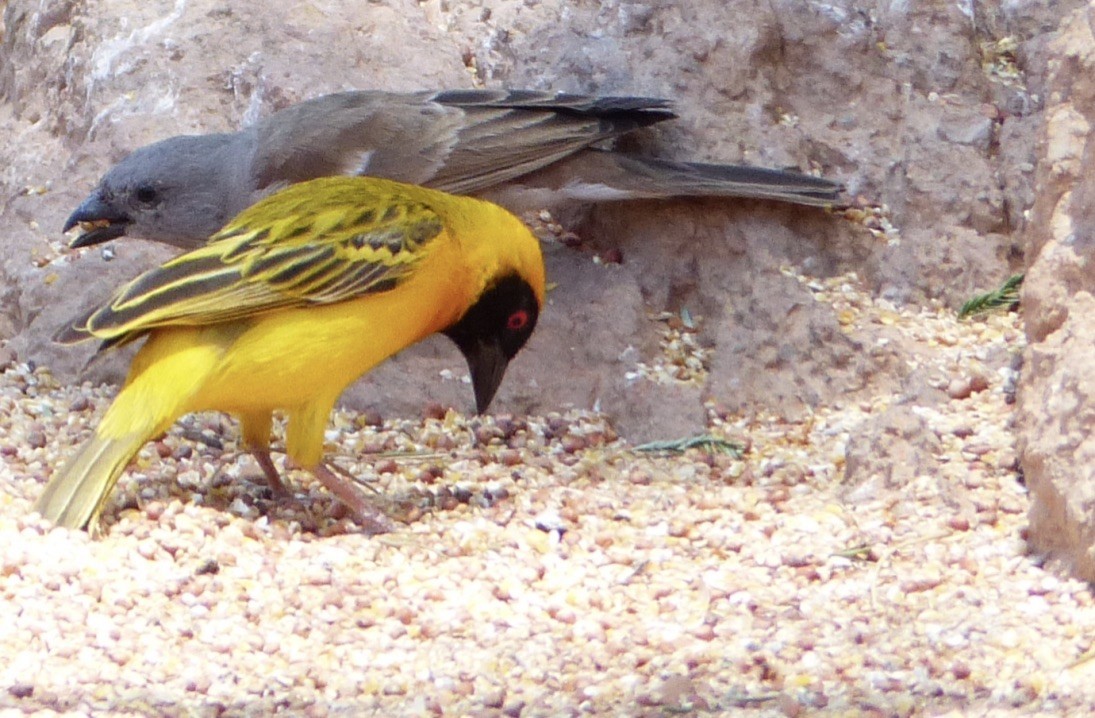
517	321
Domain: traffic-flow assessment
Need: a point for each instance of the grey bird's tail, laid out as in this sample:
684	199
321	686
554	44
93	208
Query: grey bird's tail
604	176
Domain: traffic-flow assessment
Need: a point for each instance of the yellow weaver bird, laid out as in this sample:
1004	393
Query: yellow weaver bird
292	301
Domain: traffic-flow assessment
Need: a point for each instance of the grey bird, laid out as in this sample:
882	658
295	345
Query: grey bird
524	149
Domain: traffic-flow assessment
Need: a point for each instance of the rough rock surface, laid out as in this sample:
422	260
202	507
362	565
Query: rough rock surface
897	447
892	100
1056	415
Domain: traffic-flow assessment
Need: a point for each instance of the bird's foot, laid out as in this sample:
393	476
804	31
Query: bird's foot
262	457
372	519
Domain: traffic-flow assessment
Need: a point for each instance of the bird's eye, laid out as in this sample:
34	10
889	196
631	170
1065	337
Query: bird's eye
517	321
146	194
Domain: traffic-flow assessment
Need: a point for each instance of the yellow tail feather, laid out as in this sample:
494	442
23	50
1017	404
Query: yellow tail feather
164	375
75	495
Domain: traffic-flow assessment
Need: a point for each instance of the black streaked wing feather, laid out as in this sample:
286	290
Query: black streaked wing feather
509	134
561	102
352	250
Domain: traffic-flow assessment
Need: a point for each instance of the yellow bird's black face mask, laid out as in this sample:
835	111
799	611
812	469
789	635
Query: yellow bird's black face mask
492	331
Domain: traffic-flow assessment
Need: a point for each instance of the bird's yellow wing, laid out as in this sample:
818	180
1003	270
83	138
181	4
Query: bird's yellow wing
304	245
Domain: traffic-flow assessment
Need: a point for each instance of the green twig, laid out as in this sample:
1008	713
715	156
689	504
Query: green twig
711	444
859	553
1006	297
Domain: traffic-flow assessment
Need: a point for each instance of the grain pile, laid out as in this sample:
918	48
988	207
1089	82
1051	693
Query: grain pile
547	568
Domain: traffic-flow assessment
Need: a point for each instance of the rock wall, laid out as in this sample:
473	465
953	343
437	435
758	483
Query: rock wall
1056	419
913	105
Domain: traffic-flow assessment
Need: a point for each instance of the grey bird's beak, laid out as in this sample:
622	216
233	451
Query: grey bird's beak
487	363
94	209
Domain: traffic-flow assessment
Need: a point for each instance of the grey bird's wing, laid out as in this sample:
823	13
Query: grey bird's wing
459	141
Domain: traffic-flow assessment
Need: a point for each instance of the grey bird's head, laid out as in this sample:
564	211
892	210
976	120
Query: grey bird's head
172	191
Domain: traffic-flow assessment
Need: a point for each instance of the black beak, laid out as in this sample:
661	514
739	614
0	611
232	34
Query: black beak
487	363
94	209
